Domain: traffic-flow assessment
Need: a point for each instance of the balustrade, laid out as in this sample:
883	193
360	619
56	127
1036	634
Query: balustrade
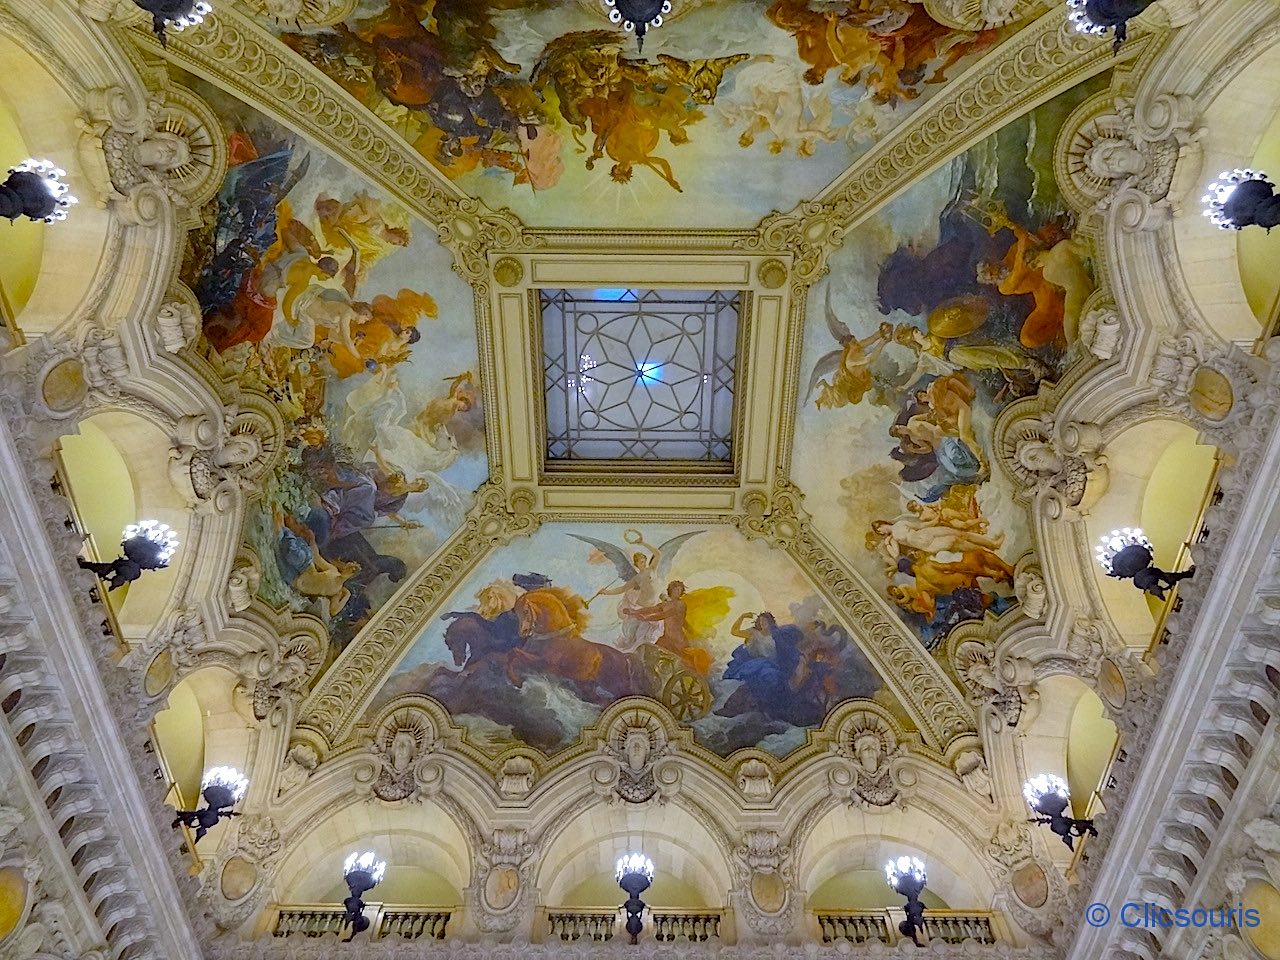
663	925
872	926
386	921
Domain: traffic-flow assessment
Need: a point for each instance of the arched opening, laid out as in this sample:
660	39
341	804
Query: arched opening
1071	737
1220	268
848	848
1259	250
1160	480
425	852
690	868
116	472
205	724
56	264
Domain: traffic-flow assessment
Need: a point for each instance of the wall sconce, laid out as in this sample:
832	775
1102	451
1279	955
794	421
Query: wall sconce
1099	16
35	190
147	545
1047	795
1242	198
174	14
906	876
363	872
222	788
634	874
638	15
1127	554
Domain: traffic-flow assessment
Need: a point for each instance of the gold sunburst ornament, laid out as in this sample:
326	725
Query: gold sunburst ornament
638	15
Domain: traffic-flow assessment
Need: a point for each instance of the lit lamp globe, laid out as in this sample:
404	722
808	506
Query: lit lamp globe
1099	16
1127	554
637	15
362	872
222	788
34	189
634	874
1242	198
146	545
174	14
1048	797
906	876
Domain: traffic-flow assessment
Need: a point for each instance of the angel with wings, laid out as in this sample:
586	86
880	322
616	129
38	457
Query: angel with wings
642	574
849	366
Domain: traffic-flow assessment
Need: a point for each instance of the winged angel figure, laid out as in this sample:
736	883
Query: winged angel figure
643	575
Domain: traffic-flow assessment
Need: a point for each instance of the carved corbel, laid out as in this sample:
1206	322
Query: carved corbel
299	764
243	582
177	324
215	461
874	771
153	150
1101	332
401	762
1003	687
1059	467
284	671
1120	156
636	761
755	780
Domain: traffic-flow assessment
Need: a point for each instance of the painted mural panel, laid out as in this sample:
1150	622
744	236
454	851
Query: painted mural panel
320	292
543	107
960	297
554	628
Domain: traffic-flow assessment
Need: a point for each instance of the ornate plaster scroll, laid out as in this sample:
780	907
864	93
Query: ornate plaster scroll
916	678
346	689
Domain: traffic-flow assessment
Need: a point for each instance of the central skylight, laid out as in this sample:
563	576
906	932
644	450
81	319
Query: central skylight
639	374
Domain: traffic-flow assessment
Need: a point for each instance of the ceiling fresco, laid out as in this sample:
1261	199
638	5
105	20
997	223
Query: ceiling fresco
958	298
543	108
319	292
552	629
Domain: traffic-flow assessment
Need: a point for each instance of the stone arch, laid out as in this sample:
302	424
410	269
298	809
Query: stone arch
134	452
681	846
1159	477
70	255
421	843
953	862
1071	737
1235	120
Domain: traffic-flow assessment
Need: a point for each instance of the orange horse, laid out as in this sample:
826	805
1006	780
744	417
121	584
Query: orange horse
551	620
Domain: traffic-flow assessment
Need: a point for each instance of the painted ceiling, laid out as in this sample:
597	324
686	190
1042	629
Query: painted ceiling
543	108
955	299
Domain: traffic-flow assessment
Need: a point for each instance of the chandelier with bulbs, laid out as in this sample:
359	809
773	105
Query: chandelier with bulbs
1099	16
634	874
1242	198
34	189
1048	798
362	872
906	876
222	788
1127	554
174	14
638	15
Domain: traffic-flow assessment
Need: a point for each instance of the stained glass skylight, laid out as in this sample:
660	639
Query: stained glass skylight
639	374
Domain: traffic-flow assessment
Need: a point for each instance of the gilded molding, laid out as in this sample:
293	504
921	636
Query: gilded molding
338	701
917	679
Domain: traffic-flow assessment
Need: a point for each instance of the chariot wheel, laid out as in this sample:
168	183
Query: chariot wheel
687	696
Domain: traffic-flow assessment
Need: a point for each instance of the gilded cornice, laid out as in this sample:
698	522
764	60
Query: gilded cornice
497	517
916	678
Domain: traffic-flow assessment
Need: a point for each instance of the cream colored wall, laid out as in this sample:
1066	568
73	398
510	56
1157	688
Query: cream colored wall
1091	738
1158	479
589	844
602	890
865	890
23	240
179	732
422	837
101	486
